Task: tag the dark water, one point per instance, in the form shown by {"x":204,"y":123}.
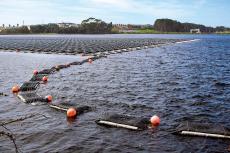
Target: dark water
{"x":181,"y":82}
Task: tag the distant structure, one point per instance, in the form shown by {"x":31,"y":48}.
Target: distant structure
{"x":141,"y":26}
{"x":2,"y":27}
{"x":67,"y":25}
{"x":131,"y":27}
{"x":121,"y":26}
{"x":195,"y":31}
{"x":6,"y":27}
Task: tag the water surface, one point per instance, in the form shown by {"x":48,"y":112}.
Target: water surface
{"x":181,"y":82}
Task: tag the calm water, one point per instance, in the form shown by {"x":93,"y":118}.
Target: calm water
{"x":181,"y":82}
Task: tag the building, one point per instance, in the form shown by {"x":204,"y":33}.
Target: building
{"x":147,"y":26}
{"x":28,"y":27}
{"x":3,"y":27}
{"x":121,"y":26}
{"x":67,"y":25}
{"x":132,"y":26}
{"x":195,"y":31}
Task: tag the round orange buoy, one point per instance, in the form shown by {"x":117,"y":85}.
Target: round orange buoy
{"x":35,"y":72}
{"x":90,"y":60}
{"x":45,"y":79}
{"x":49,"y":98}
{"x":71,"y":112}
{"x":15,"y":89}
{"x":155,"y":120}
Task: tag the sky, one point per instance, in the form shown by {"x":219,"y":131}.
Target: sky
{"x":207,"y":12}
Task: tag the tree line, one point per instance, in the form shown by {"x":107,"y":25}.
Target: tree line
{"x":88,"y":26}
{"x":168,"y":25}
{"x":16,"y":30}
{"x":97,"y":26}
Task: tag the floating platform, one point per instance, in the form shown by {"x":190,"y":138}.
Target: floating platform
{"x":29,"y":86}
{"x":208,"y":130}
{"x":124,"y":121}
{"x":86,"y":46}
{"x":38,"y":77}
{"x":47,"y":71}
{"x":30,"y":97}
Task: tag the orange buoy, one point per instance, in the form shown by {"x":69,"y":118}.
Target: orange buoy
{"x":90,"y":60}
{"x":15,"y":89}
{"x":45,"y":79}
{"x":49,"y":98}
{"x":35,"y":72}
{"x":155,"y":120}
{"x":71,"y":112}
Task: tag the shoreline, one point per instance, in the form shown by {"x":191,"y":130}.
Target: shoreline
{"x":122,"y":33}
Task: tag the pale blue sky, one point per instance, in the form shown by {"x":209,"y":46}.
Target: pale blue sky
{"x":207,"y":12}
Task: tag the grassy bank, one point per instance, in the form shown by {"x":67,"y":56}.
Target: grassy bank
{"x":225,"y":32}
{"x":151,"y":31}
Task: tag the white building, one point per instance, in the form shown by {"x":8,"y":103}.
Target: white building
{"x":67,"y":25}
{"x":195,"y":31}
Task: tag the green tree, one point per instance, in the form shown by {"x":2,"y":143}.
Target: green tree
{"x":168,"y":25}
{"x":95,"y":26}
